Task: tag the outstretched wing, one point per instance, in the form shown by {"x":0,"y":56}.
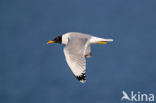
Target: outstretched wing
{"x":75,"y":56}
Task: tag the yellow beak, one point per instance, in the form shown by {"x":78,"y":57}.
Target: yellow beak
{"x":51,"y":41}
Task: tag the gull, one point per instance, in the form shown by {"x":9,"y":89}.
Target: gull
{"x":77,"y":49}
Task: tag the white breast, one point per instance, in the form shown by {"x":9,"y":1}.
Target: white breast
{"x":65,"y":38}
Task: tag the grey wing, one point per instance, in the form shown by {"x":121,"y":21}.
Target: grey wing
{"x":88,"y":52}
{"x":75,"y":56}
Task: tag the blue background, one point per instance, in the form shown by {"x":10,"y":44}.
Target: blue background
{"x":33,"y":72}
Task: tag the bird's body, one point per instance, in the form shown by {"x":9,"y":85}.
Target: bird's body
{"x":92,"y":39}
{"x":76,"y":49}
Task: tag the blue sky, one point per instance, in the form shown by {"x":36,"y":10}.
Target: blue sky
{"x":33,"y":72}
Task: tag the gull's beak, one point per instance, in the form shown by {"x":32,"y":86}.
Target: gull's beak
{"x":51,"y":41}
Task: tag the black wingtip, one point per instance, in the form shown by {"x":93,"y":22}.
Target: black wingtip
{"x":81,"y":78}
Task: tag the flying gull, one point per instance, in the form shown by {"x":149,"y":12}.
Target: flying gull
{"x":77,"y":49}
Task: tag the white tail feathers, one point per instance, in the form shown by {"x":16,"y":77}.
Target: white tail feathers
{"x":94,"y":40}
{"x":111,"y":40}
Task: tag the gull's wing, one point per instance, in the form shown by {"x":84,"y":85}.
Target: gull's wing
{"x":75,"y":56}
{"x":88,"y":52}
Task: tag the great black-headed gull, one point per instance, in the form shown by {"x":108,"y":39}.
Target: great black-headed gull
{"x":77,"y":49}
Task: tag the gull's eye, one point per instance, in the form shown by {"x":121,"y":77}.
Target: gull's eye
{"x":56,"y":38}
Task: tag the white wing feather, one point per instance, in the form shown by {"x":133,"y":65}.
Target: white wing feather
{"x":75,"y":56}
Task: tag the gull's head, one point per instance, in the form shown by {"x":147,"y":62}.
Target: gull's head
{"x":57,"y":39}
